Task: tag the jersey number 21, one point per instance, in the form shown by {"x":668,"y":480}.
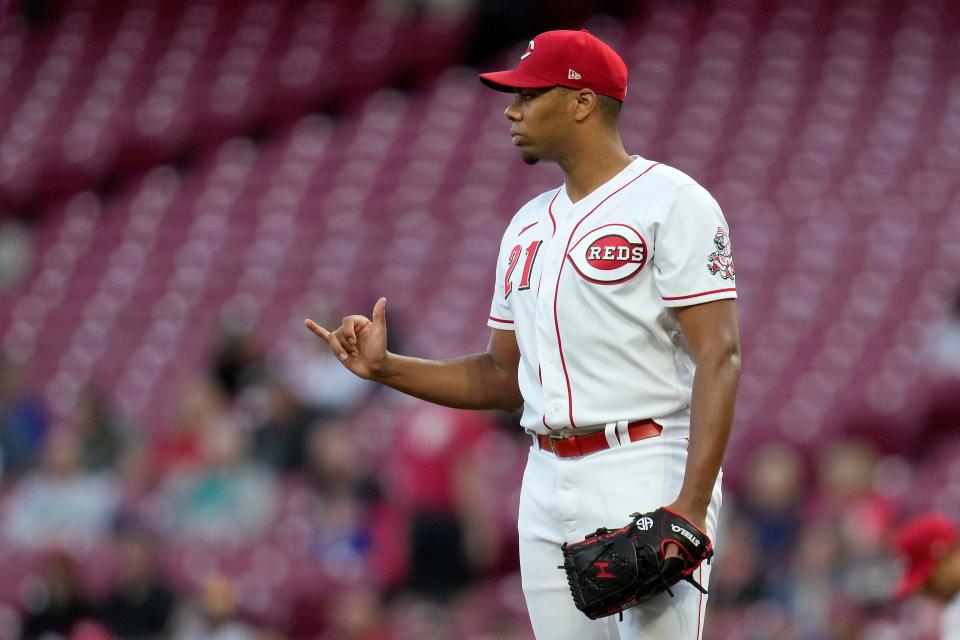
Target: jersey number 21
{"x":532,"y":249}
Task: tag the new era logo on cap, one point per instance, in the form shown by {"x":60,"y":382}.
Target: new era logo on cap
{"x":575,"y":59}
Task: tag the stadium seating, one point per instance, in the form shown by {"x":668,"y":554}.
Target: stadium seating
{"x":829,"y":137}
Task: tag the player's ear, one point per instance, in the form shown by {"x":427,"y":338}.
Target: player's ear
{"x":586,"y":103}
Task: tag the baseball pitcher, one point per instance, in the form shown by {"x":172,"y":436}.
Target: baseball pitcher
{"x":614,"y":328}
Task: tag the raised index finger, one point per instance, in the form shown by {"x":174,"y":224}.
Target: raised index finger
{"x":316,"y":329}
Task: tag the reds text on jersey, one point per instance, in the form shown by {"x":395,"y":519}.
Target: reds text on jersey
{"x":589,"y":288}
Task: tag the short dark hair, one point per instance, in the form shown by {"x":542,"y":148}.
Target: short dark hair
{"x":610,"y":108}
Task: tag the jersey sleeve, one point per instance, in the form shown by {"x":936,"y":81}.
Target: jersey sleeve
{"x":501,"y":315}
{"x":693,"y":256}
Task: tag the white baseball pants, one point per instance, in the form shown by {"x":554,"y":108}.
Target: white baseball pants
{"x":564,"y":499}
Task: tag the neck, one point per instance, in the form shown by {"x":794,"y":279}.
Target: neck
{"x":592,"y":165}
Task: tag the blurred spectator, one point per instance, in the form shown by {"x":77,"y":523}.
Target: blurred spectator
{"x":215,"y":617}
{"x":943,"y":348}
{"x":847,"y":497}
{"x":942,"y":358}
{"x":55,"y":604}
{"x":140,"y":605}
{"x":814,"y":568}
{"x":343,"y":541}
{"x":415,"y":618}
{"x":23,"y":421}
{"x":333,"y":465}
{"x":60,"y":503}
{"x":201,"y":404}
{"x":846,"y":527}
{"x":228,"y":497}
{"x":238,"y":362}
{"x":355,"y":538}
{"x":103,"y":440}
{"x":740,"y":571}
{"x":356,"y":614}
{"x":773,"y":495}
{"x":930,"y":546}
{"x":15,"y":251}
{"x":432,"y":478}
{"x":279,"y":440}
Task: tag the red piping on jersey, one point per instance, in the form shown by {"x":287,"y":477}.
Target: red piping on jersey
{"x":553,"y":221}
{"x":550,"y":211}
{"x":700,"y":605}
{"x":496,"y":319}
{"x":697,"y":295}
{"x":556,"y":293}
{"x":532,"y":224}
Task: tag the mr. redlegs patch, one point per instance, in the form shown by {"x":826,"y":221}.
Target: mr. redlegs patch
{"x":610,"y":254}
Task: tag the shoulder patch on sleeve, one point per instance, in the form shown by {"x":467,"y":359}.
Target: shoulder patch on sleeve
{"x":720,"y":262}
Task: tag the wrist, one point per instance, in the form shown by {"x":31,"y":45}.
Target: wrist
{"x":694,"y":510}
{"x":380,"y":371}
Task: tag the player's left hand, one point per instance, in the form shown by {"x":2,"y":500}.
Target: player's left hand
{"x":629,"y":578}
{"x":696,"y":517}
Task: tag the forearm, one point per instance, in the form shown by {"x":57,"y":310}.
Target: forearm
{"x":711,"y":418}
{"x":470,"y":382}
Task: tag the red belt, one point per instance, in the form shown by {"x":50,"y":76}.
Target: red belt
{"x":573,"y":446}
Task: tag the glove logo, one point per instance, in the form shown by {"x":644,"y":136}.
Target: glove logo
{"x":610,"y":254}
{"x":686,"y":534}
{"x":602,"y":570}
{"x":645,"y":523}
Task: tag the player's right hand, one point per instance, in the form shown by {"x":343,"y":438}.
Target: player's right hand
{"x":360,"y":343}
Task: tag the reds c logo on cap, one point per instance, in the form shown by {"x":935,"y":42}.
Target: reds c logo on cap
{"x":528,"y":51}
{"x":610,"y":254}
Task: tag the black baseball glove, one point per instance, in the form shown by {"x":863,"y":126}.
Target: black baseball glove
{"x":611,"y":571}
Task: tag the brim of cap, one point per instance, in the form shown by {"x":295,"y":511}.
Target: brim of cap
{"x":507,"y":81}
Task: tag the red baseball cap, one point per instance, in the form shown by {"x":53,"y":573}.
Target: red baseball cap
{"x":575,"y":59}
{"x":923,"y":542}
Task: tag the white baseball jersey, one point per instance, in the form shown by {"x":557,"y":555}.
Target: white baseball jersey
{"x":589,"y":288}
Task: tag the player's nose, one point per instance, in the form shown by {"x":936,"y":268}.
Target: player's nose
{"x":512,"y":112}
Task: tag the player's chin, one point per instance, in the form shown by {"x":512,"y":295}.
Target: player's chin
{"x":529,"y":158}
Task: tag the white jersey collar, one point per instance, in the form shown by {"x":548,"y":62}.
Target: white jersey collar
{"x":563,"y":200}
